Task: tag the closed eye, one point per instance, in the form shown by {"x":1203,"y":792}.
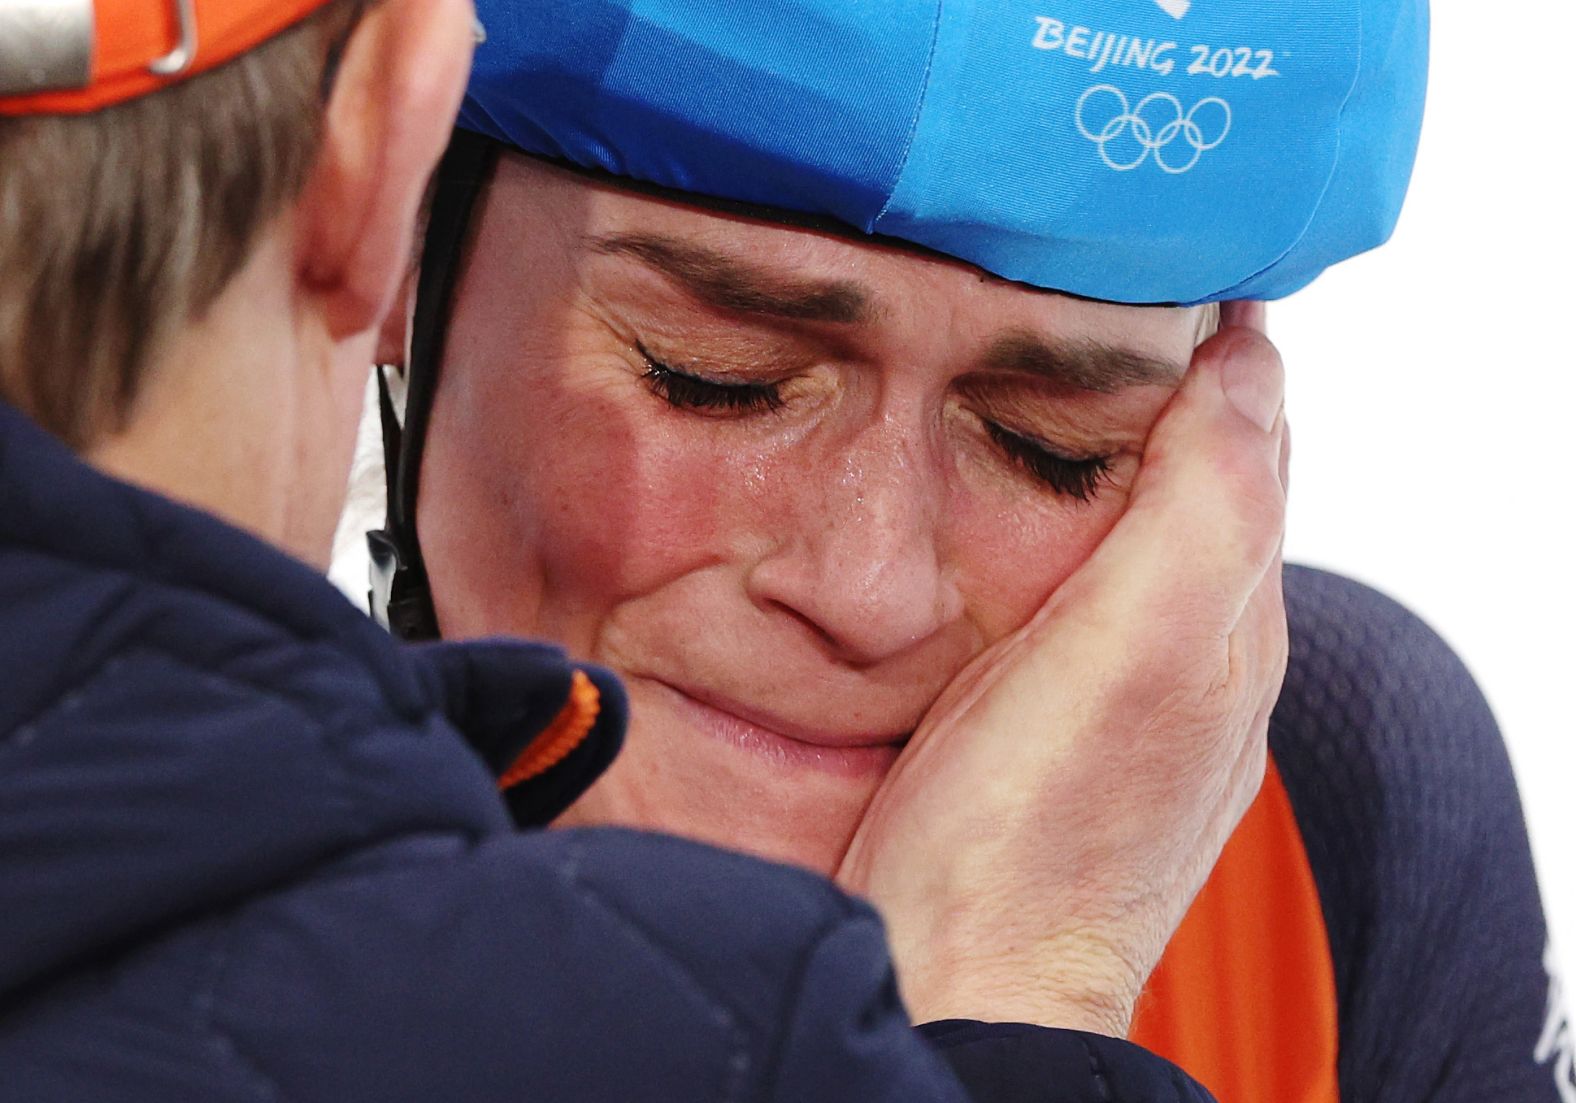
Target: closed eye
{"x":692,"y":392}
{"x":1076,"y":478}
{"x":1079,"y":479}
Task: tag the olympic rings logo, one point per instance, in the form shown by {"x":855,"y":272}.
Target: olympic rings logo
{"x":1158,"y":125}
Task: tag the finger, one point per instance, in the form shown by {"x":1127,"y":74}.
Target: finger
{"x":1246,"y":314}
{"x":1258,"y":646}
{"x":1260,"y":655}
{"x":1285,"y":458}
{"x":1246,"y":780}
{"x":1242,"y":779}
{"x":1269,"y":659}
{"x":1207,"y":510}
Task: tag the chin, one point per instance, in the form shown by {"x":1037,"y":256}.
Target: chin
{"x":681,"y":776}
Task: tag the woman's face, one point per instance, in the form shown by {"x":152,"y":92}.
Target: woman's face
{"x":785,"y":484}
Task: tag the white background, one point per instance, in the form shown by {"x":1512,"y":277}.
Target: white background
{"x":1432,"y":387}
{"x":1432,"y":390}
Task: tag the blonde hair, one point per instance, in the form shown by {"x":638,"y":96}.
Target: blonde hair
{"x":120,"y":227}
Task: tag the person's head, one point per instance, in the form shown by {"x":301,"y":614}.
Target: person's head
{"x":768,"y":472}
{"x":193,"y":264}
{"x":803,"y":384}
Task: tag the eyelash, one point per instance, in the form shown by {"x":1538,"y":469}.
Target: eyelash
{"x":689,"y":392}
{"x":1076,"y":479}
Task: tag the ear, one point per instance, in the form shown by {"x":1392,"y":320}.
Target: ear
{"x":386,"y":124}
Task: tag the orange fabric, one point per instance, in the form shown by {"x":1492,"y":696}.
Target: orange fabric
{"x":567,"y":731}
{"x":1244,"y":998}
{"x":129,"y":34}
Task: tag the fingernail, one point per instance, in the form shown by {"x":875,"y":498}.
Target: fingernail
{"x":1255,"y":384}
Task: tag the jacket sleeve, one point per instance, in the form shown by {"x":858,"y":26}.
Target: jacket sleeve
{"x":846,"y":1037}
{"x":1018,"y":1063}
{"x":1413,"y":826}
{"x":602,"y":965}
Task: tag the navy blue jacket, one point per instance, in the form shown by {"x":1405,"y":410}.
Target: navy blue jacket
{"x":1408,"y":810}
{"x":246,"y":853}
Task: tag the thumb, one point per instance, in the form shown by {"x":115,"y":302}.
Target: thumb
{"x":1207,"y":512}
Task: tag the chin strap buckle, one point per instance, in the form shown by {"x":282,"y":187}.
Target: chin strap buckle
{"x":397,"y":597}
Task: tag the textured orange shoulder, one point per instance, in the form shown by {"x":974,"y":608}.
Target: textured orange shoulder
{"x":1244,"y":999}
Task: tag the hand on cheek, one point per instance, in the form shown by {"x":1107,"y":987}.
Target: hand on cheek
{"x":1051,"y":820}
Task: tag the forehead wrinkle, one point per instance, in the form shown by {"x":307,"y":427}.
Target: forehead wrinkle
{"x":1087,"y":365}
{"x":728,"y":283}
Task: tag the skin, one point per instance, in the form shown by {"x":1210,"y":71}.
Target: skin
{"x":786,"y":592}
{"x":820,"y":566}
{"x":250,"y":412}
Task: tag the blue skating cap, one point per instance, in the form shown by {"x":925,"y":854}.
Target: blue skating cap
{"x":1139,"y":151}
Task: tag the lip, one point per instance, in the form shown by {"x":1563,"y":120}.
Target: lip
{"x":786,"y":744}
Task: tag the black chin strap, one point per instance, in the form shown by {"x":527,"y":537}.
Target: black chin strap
{"x":400,"y":597}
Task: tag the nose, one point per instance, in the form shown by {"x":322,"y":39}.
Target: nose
{"x":856,"y":556}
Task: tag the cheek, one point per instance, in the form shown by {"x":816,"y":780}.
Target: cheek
{"x":570,"y":482}
{"x":620,"y":504}
{"x":1011,"y":555}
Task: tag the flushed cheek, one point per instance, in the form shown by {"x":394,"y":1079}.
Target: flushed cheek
{"x":1011,"y":556}
{"x":620,"y":497}
{"x":548,"y":499}
{"x":616,"y":509}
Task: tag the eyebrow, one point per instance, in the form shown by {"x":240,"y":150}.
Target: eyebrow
{"x":727,"y":283}
{"x":1087,"y":365}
